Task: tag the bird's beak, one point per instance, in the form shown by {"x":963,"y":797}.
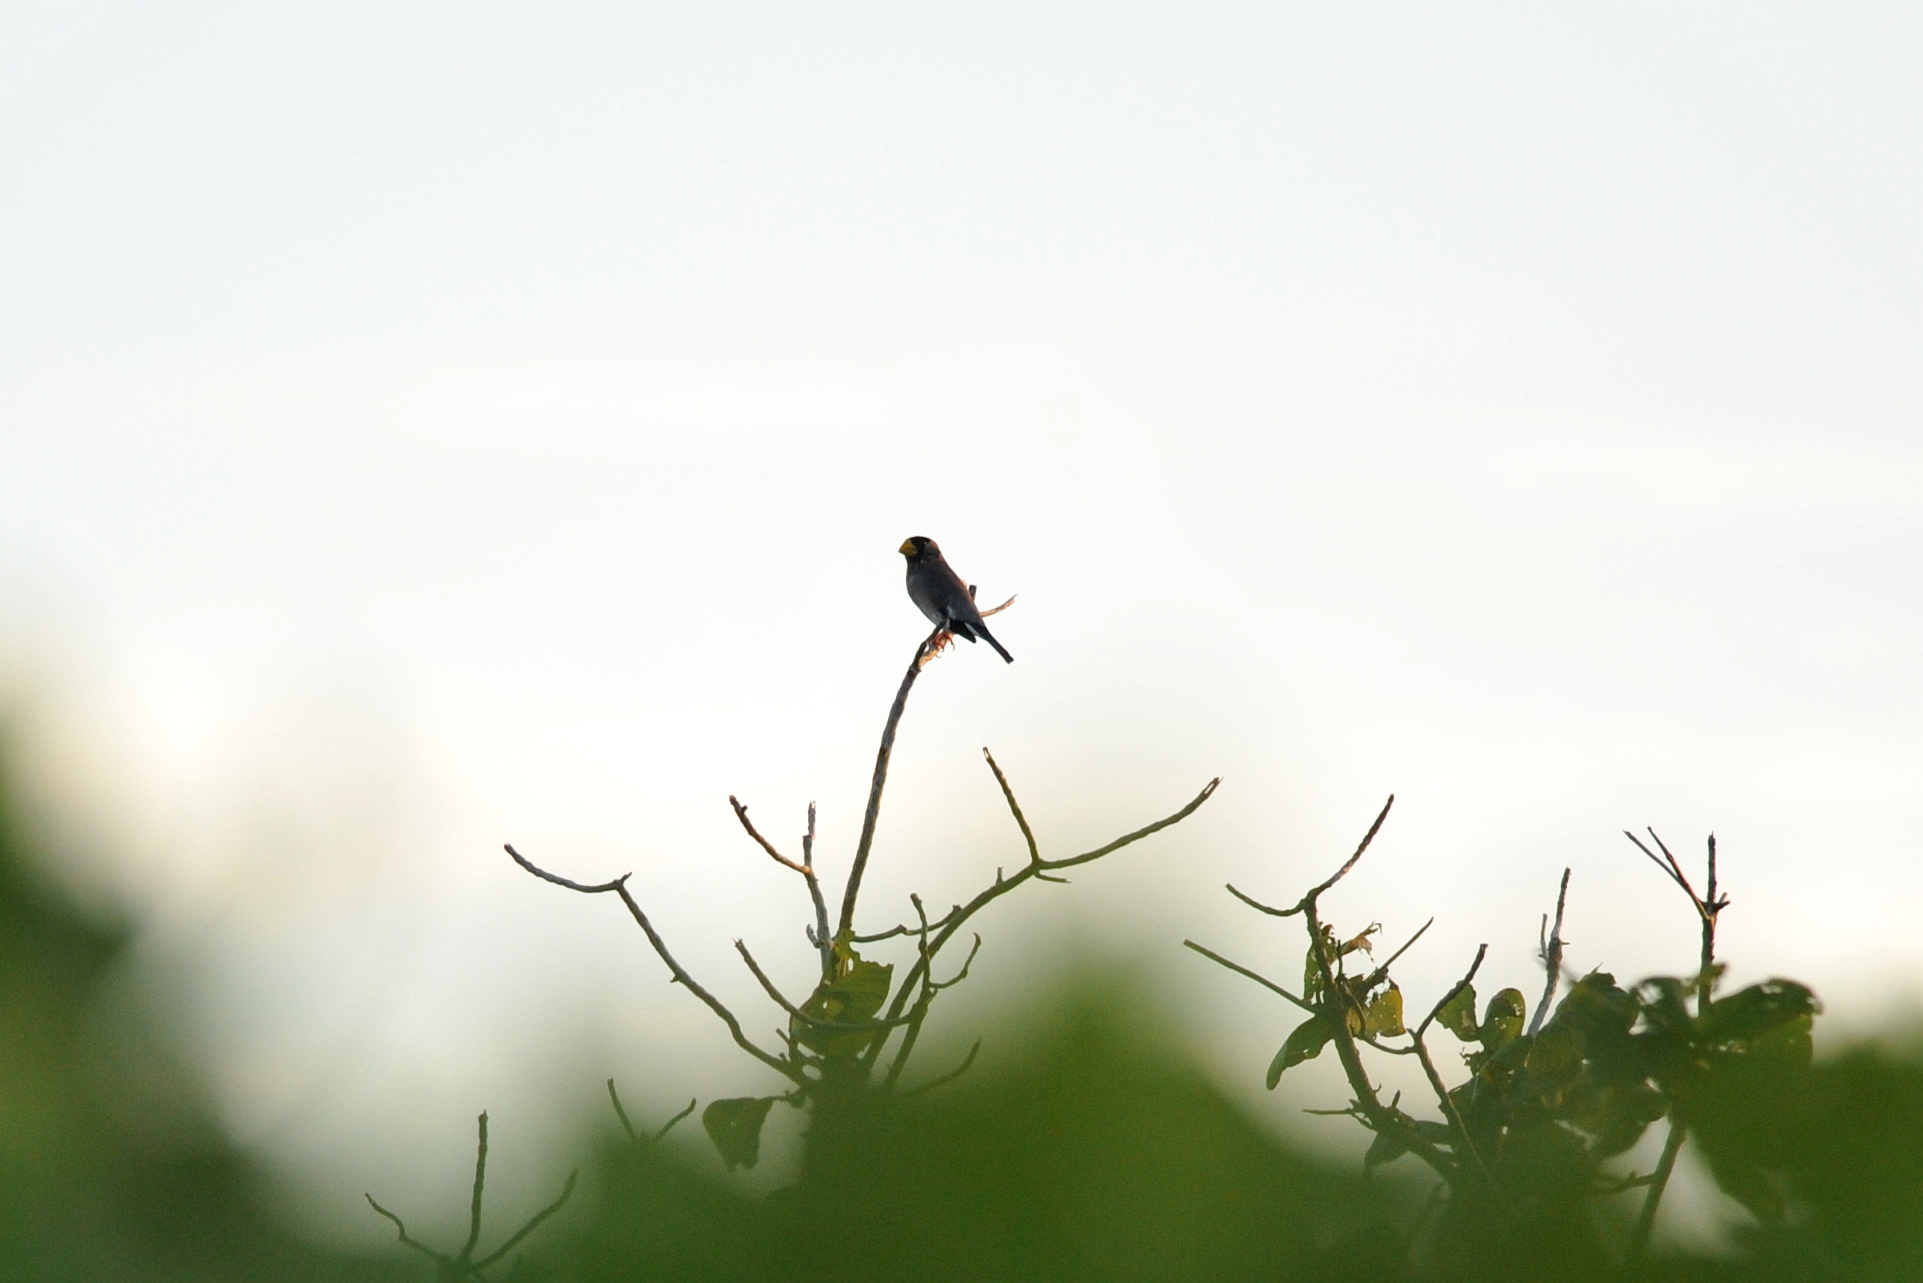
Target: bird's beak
{"x":907,"y":548}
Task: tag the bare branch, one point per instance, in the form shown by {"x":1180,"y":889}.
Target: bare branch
{"x":741,"y":813}
{"x":1260,"y":979}
{"x":961,"y":975}
{"x":1381,"y":973}
{"x":904,"y":929}
{"x":480,"y":1180}
{"x":837,"y":1026}
{"x":819,"y":936}
{"x":1334,"y":878}
{"x":996,"y":610}
{"x":1001,"y":887}
{"x":1658,"y":1182}
{"x":620,"y":887}
{"x":1482,"y":951}
{"x":1350,"y":863}
{"x":873,"y":813}
{"x":534,"y":1223}
{"x":1549,"y":949}
{"x":952,"y":1074}
{"x":621,"y":1113}
{"x":669,"y":1125}
{"x":1208,"y":790}
{"x":1028,"y":834}
{"x":414,"y":1243}
{"x":1257,"y":905}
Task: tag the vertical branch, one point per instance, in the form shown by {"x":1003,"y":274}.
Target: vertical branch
{"x":1658,"y":1181}
{"x":480,"y":1180}
{"x":822,"y":942}
{"x":1549,"y":949}
{"x":1704,"y":982}
{"x":868,"y":818}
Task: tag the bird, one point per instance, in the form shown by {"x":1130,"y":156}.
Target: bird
{"x":942,"y":596}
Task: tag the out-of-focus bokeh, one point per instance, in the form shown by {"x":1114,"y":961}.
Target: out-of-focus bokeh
{"x":428,"y":428}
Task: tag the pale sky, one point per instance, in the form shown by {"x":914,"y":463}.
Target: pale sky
{"x":432,"y":426}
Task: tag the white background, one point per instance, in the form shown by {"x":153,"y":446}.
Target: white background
{"x":431,"y":426}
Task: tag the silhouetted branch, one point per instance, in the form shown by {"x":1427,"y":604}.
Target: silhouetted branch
{"x":1381,"y":973}
{"x":872,"y":814}
{"x":534,"y":1222}
{"x":952,"y":1074}
{"x":668,"y":1126}
{"x":1259,"y":978}
{"x":1015,"y":808}
{"x":1549,"y":949}
{"x":620,"y":887}
{"x":819,"y":936}
{"x":628,"y":1127}
{"x":400,"y":1225}
{"x":480,"y":1182}
{"x":1002,"y":886}
{"x":1447,"y":1102}
{"x":837,"y":1026}
{"x":462,"y":1264}
{"x":1337,"y":876}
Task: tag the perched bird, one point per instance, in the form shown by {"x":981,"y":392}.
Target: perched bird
{"x":941,"y":594}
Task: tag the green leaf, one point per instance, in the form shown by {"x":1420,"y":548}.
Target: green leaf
{"x":1619,"y":1116}
{"x":1458,"y":1015}
{"x":1663,"y":1003}
{"x":855,"y":994}
{"x":1305,"y":1042}
{"x":1383,"y":1149}
{"x":1502,"y":1022}
{"x":1758,"y":1011}
{"x":1556,"y":1053}
{"x":1383,"y":1016}
{"x":735,"y":1128}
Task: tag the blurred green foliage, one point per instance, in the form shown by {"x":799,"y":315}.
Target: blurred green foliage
{"x":1101,"y":1154}
{"x":97,"y":1186}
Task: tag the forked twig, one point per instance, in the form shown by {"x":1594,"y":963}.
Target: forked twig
{"x":462,"y":1264}
{"x":1549,"y":948}
{"x":819,"y":936}
{"x":1333,"y":878}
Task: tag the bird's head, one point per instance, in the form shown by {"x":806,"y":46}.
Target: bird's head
{"x":915,"y":547}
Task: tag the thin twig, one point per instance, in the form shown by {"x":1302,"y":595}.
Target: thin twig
{"x":480,"y":1180}
{"x":905,"y":929}
{"x":400,"y":1225}
{"x":1549,"y":949}
{"x":622,"y":1114}
{"x":806,"y":868}
{"x":620,"y":887}
{"x":1002,"y":886}
{"x":669,"y":1125}
{"x":1443,"y":1097}
{"x":1333,"y":878}
{"x":1260,"y":979}
{"x":1380,"y":1118}
{"x":741,"y":813}
{"x":1454,"y":990}
{"x":1653,"y":1196}
{"x":534,"y":1223}
{"x":952,"y":1074}
{"x":1381,"y":973}
{"x":873,"y":812}
{"x":1015,"y":808}
{"x":836,"y":1026}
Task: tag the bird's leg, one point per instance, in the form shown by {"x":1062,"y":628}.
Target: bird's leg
{"x":942,"y":641}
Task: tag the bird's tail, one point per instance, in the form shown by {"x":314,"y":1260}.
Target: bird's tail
{"x":990,"y":639}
